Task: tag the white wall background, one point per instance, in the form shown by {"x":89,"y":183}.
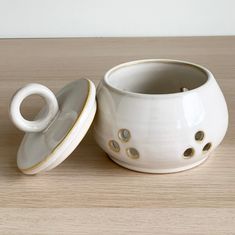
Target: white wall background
{"x":79,"y":18}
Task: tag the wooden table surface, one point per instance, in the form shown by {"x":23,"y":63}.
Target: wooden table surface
{"x":88,"y":193}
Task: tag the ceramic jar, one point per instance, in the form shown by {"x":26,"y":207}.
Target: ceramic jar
{"x":155,"y":116}
{"x":159,"y":116}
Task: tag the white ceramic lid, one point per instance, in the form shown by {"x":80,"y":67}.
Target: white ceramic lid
{"x":58,"y":128}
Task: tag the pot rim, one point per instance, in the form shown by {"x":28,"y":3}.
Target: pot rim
{"x":208,"y":74}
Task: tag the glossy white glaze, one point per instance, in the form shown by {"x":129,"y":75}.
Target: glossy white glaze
{"x":144,"y":97}
{"x":45,"y":120}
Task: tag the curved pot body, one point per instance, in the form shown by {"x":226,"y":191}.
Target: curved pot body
{"x":159,"y":133}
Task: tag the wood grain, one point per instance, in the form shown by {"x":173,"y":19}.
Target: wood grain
{"x":88,"y":193}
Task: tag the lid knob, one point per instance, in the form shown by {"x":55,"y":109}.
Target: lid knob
{"x":43,"y":122}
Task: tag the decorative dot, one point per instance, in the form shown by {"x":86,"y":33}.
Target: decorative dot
{"x":124,"y":135}
{"x":199,"y":136}
{"x":207,"y":147}
{"x":114,"y":146}
{"x":132,"y":153}
{"x":188,"y":153}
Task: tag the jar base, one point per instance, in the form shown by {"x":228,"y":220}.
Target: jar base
{"x":156,"y":171}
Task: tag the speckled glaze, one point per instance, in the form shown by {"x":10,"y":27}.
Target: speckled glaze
{"x":162,"y":129}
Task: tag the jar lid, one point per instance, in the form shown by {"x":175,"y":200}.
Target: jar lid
{"x":58,"y":128}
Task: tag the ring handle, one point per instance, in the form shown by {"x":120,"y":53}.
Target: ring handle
{"x":43,"y":122}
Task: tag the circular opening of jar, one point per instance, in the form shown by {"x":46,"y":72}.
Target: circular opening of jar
{"x":188,"y":153}
{"x":207,"y":147}
{"x":160,"y":77}
{"x":124,"y":135}
{"x":114,"y":145}
{"x":199,"y":136}
{"x":132,"y":153}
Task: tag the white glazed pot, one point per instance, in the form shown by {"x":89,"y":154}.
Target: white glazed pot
{"x":159,"y":116}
